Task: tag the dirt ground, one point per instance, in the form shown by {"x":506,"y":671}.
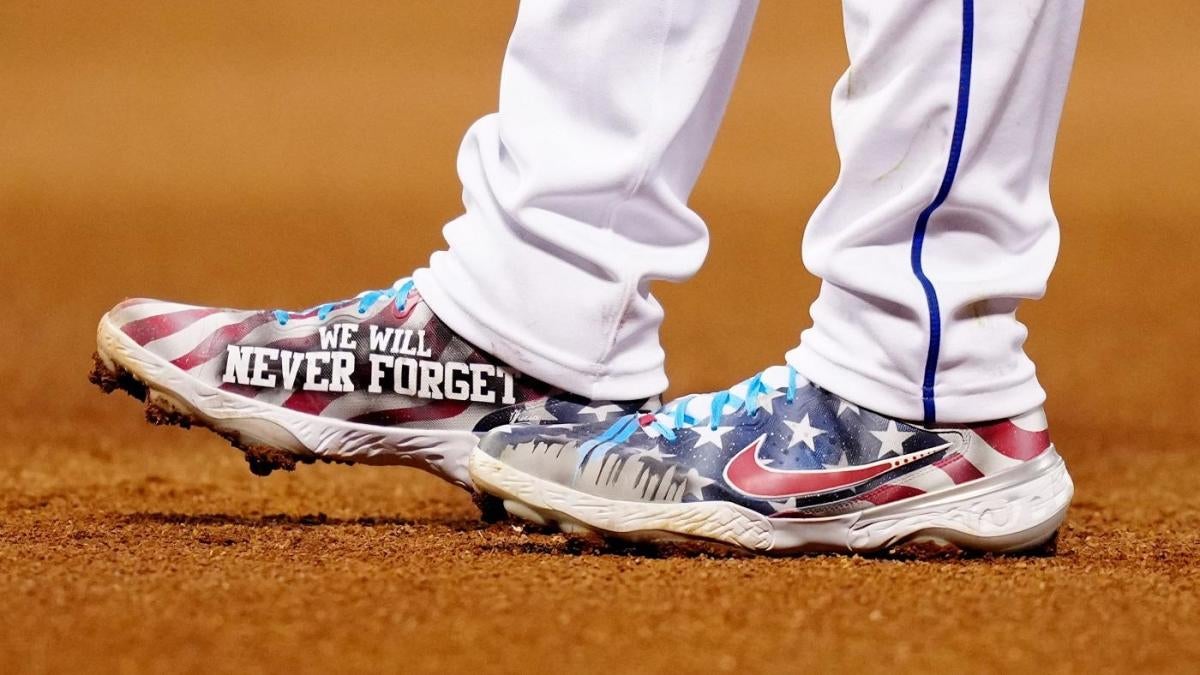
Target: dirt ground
{"x":281,"y":154}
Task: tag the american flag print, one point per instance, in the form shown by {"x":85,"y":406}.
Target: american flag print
{"x":805,"y":454}
{"x":381,"y":362}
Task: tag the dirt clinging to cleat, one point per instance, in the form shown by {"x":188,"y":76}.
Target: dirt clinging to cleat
{"x":262,"y":459}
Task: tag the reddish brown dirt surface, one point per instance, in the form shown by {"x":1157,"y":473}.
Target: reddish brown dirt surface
{"x":281,"y":154}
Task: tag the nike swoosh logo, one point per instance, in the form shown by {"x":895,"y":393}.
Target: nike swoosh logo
{"x":748,"y":475}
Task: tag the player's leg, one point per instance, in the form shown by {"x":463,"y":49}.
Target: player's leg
{"x":576,"y":197}
{"x":939,"y":223}
{"x":576,"y":190}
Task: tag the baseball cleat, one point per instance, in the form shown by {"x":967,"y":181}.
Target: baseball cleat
{"x":778,"y":465}
{"x":375,"y":379}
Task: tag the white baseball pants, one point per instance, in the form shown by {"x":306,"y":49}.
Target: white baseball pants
{"x":939,"y":224}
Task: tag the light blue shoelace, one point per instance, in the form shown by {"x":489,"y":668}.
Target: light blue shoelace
{"x":754,"y":388}
{"x":398,"y":293}
{"x":626,"y":426}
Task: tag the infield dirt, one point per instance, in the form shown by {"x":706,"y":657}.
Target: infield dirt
{"x":281,"y":154}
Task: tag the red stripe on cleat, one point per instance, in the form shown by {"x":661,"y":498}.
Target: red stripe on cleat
{"x":249,"y":391}
{"x":214,"y":345}
{"x":311,"y":402}
{"x":886,"y":494}
{"x":151,"y":328}
{"x":959,"y":468}
{"x":1012,"y":441}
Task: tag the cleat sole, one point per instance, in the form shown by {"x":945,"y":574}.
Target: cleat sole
{"x":1018,"y":511}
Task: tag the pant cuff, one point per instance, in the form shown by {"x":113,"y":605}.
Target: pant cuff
{"x":584,"y":379}
{"x":952,"y":408}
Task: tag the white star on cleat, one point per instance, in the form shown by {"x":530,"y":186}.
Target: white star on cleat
{"x":599,"y":412}
{"x":706,"y":434}
{"x":892,"y":439}
{"x":766,"y":400}
{"x":803,"y":432}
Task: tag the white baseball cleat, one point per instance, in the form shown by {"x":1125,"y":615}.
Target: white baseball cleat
{"x":778,"y":465}
{"x":374,"y":379}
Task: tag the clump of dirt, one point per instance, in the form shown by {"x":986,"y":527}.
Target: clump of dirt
{"x":160,"y":416}
{"x":110,"y":380}
{"x":262,"y":459}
